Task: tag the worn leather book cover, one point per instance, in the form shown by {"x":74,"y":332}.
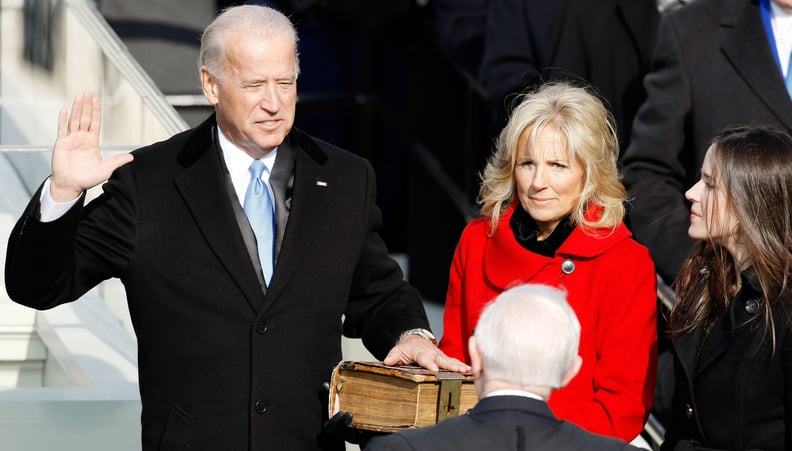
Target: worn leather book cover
{"x":389,"y":398}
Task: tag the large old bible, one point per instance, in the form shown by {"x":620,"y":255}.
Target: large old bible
{"x":389,"y":398}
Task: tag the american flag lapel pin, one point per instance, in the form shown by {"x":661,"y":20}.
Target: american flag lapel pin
{"x":320,"y":182}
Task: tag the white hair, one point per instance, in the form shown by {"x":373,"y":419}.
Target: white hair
{"x":252,"y":19}
{"x":529,"y":335}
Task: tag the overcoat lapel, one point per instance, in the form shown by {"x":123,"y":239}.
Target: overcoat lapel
{"x":516,"y":410}
{"x":717,"y":343}
{"x":744,"y":43}
{"x":686,"y":348}
{"x":202,"y":185}
{"x":308,"y":204}
{"x":282,"y":183}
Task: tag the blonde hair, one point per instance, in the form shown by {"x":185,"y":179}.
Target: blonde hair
{"x":585,"y":128}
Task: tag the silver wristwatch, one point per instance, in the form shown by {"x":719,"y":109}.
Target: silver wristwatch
{"x":421,"y":333}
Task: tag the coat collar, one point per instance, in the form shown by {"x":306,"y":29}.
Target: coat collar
{"x":695,"y":354}
{"x":506,"y":262}
{"x":517,"y":410}
{"x":308,"y":206}
{"x":202,"y":184}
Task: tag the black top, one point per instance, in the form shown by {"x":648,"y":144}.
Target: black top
{"x":526,"y":232}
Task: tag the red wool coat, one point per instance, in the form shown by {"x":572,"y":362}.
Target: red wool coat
{"x":612,"y":288}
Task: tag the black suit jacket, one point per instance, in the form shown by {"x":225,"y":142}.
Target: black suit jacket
{"x":499,"y":423}
{"x":222,"y":365}
{"x":712,"y":67}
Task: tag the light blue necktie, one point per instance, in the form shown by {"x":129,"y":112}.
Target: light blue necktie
{"x":258,"y":208}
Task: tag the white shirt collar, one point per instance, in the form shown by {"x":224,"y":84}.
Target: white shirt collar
{"x":512,"y":392}
{"x":238,"y":161}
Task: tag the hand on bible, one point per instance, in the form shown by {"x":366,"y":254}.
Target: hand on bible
{"x":418,"y":350}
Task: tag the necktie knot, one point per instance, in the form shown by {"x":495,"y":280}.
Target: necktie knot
{"x":256,"y":169}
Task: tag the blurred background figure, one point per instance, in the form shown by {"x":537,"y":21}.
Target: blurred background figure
{"x":717,"y":63}
{"x":606,"y":44}
{"x":460,"y":26}
{"x":39,"y":17}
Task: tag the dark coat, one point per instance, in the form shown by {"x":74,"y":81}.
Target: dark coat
{"x":520,"y":40}
{"x":712,"y":67}
{"x":224,"y":364}
{"x":500,"y":423}
{"x":609,"y":43}
{"x":732,"y":392}
{"x":606,"y":43}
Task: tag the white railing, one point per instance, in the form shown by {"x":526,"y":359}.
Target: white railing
{"x":86,"y":55}
{"x":68,"y":376}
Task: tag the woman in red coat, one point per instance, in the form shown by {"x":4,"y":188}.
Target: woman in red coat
{"x":553,"y":207}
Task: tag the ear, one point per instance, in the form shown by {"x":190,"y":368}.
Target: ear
{"x":475,"y":357}
{"x":573,"y":370}
{"x":210,"y":86}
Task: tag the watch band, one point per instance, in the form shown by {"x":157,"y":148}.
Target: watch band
{"x":421,"y":333}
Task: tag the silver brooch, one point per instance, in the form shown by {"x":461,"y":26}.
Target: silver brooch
{"x":568,"y":267}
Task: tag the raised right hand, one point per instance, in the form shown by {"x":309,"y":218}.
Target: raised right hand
{"x":77,"y":163}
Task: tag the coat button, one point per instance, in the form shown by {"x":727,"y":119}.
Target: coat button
{"x":688,"y":411}
{"x":751,"y":306}
{"x":261,"y":327}
{"x":568,"y":267}
{"x":260,"y":407}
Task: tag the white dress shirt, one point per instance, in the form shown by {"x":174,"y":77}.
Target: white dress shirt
{"x":238,"y":162}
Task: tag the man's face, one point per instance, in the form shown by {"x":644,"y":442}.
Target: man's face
{"x":255,"y":96}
